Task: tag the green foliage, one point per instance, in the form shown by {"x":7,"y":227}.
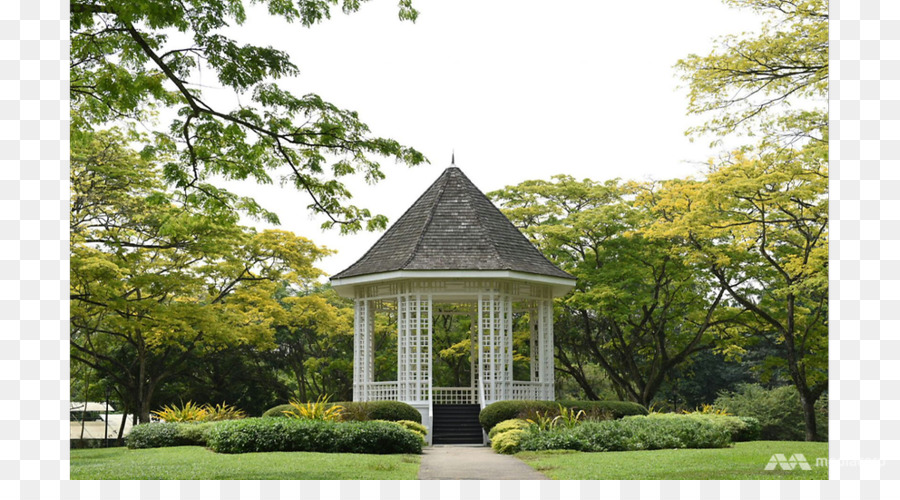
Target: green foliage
{"x":751,"y":431}
{"x":542,"y":420}
{"x":163,"y":434}
{"x":749,"y":77}
{"x":278,"y":411}
{"x":739,"y":428}
{"x":161,"y":276}
{"x":188,"y":412}
{"x":778,"y":411}
{"x":640,"y":308}
{"x":283,"y":434}
{"x":569,"y":417}
{"x":315,"y":343}
{"x":420,"y":430}
{"x":196,"y":433}
{"x":560,"y":416}
{"x":759,"y":224}
{"x":223,"y":412}
{"x":506,"y":425}
{"x":499,"y":411}
{"x":155,"y":435}
{"x":414,"y":426}
{"x":391,"y":410}
{"x":318,"y":410}
{"x":361,"y":411}
{"x":508,"y":441}
{"x":761,"y":216}
{"x":707,"y":409}
{"x":192,"y":412}
{"x":632,"y":433}
{"x":130,"y":60}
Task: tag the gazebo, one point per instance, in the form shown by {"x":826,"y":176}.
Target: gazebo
{"x":453,"y":252}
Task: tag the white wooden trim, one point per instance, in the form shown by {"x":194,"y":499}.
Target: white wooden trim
{"x":559,"y":286}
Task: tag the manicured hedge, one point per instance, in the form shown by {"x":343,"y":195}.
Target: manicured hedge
{"x":739,"y":428}
{"x":497,"y":412}
{"x":162,"y":434}
{"x":361,"y":411}
{"x":628,"y":434}
{"x":287,"y":434}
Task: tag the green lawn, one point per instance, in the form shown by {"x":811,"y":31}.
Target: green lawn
{"x":742,"y":461}
{"x":195,"y":462}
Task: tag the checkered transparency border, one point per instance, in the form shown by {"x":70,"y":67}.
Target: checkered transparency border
{"x":865,"y":288}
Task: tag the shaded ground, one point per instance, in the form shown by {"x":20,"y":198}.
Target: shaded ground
{"x":195,"y":462}
{"x":742,"y":461}
{"x":472,"y":462}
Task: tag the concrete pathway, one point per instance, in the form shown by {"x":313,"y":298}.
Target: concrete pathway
{"x":472,"y":462}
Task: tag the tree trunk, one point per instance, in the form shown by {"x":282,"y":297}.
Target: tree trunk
{"x":809,"y":414}
{"x":121,"y":439}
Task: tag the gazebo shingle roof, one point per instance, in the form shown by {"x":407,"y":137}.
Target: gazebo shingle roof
{"x":453,"y":226}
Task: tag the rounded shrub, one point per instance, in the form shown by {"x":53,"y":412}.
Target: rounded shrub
{"x":508,"y":425}
{"x":162,"y":434}
{"x":497,"y":412}
{"x":284,"y":434}
{"x":277,"y":411}
{"x":392,"y":410}
{"x":419,"y":429}
{"x":413,"y":426}
{"x":507,"y":442}
{"x":750,"y":432}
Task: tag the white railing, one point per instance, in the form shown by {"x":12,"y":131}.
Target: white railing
{"x":381,"y":391}
{"x":389,"y":391}
{"x":529,"y":390}
{"x":454,"y":395}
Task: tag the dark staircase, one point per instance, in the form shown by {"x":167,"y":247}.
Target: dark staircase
{"x":456,"y":424}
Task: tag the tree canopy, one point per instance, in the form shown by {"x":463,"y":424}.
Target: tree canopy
{"x":158,"y":275}
{"x":759,"y":225}
{"x":640,"y":307}
{"x":750,"y":78}
{"x":131,"y":60}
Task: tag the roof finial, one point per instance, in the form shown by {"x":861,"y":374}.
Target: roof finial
{"x":453,"y":158}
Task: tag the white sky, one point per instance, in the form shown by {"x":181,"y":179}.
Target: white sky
{"x":520,"y":89}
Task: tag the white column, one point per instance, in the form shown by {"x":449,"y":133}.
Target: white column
{"x":402,"y":348}
{"x":506,"y":328}
{"x":363,"y":355}
{"x":473,"y":358}
{"x":535,"y":343}
{"x":545,"y":335}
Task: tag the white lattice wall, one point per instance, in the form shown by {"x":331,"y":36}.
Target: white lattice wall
{"x":545,"y":341}
{"x":495,"y":349}
{"x":414,"y":346}
{"x":493,"y":346}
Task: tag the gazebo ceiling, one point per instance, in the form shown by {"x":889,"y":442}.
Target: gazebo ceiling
{"x":452,"y":228}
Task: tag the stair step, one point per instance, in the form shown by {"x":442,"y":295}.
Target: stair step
{"x":456,"y":424}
